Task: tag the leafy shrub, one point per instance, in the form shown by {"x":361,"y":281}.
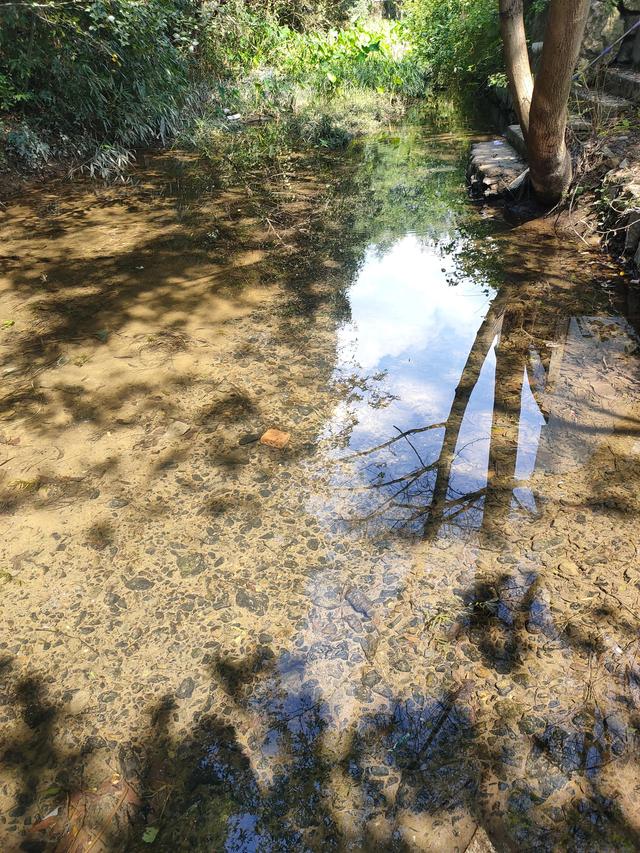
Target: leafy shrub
{"x":237,"y":38}
{"x":114,"y":69}
{"x":304,"y":117}
{"x":376,"y":55}
{"x":303,"y":15}
{"x":333,"y":121}
{"x":456,"y":41}
{"x":98,"y":78}
{"x":318,"y":87}
{"x":28,"y":146}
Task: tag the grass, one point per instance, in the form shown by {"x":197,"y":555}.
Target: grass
{"x":320,"y":89}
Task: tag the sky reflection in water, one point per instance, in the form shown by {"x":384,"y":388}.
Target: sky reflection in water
{"x":414,"y":320}
{"x":309,"y":689}
{"x":415,"y":323}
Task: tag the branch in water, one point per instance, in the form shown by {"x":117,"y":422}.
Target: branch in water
{"x":392,"y":441}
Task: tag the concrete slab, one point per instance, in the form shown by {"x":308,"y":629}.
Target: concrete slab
{"x":515,"y":138}
{"x":623,"y":83}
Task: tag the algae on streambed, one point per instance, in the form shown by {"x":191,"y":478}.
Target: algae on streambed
{"x":416,"y":626}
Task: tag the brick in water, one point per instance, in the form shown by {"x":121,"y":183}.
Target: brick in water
{"x":275,"y":438}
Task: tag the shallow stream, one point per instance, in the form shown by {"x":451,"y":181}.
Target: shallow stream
{"x":415,"y":627}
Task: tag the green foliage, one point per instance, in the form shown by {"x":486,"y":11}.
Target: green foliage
{"x":97,"y":79}
{"x":237,"y":38}
{"x":110,"y":69}
{"x":456,"y":41}
{"x":236,"y":151}
{"x":317,"y":87}
{"x":303,"y":117}
{"x":301,"y":15}
{"x":498,"y":79}
{"x":150,"y":834}
{"x":333,"y":120}
{"x":28,"y":146}
{"x":9,"y":95}
{"x":537,"y":7}
{"x":375,"y":55}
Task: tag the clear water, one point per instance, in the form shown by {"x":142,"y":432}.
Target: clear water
{"x":413,"y":628}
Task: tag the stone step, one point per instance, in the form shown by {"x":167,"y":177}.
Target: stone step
{"x":493,"y":168}
{"x":622,"y":83}
{"x":579,"y":125}
{"x":514,"y":137}
{"x":604,"y":105}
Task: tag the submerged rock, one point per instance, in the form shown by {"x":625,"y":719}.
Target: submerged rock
{"x":186,"y":688}
{"x":254,"y":601}
{"x":360,"y":603}
{"x":191,"y":564}
{"x":138,"y":583}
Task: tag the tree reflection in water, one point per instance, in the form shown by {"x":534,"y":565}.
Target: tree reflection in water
{"x":424,"y":631}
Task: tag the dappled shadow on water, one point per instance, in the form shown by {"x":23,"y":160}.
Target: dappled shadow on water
{"x":413,"y":627}
{"x":268,"y":771}
{"x":149,"y":287}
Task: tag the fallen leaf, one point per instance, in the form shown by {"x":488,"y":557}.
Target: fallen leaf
{"x":150,"y":834}
{"x":52,"y":791}
{"x":46,"y":822}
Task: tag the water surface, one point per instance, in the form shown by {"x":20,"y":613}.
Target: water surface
{"x":415,"y":627}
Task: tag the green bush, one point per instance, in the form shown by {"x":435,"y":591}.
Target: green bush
{"x":372,"y":55}
{"x":94,"y":80}
{"x":302,"y":117}
{"x":302,"y":15}
{"x":237,"y":38}
{"x":456,"y":41}
{"x":113,"y":69}
{"x":290,"y":89}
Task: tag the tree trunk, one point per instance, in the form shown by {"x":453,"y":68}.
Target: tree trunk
{"x":517,"y":59}
{"x":549,"y":160}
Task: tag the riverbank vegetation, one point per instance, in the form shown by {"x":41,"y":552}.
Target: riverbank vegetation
{"x":90,"y":82}
{"x":457,"y":42}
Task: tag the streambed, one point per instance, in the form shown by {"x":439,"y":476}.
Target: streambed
{"x":413,"y":628}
